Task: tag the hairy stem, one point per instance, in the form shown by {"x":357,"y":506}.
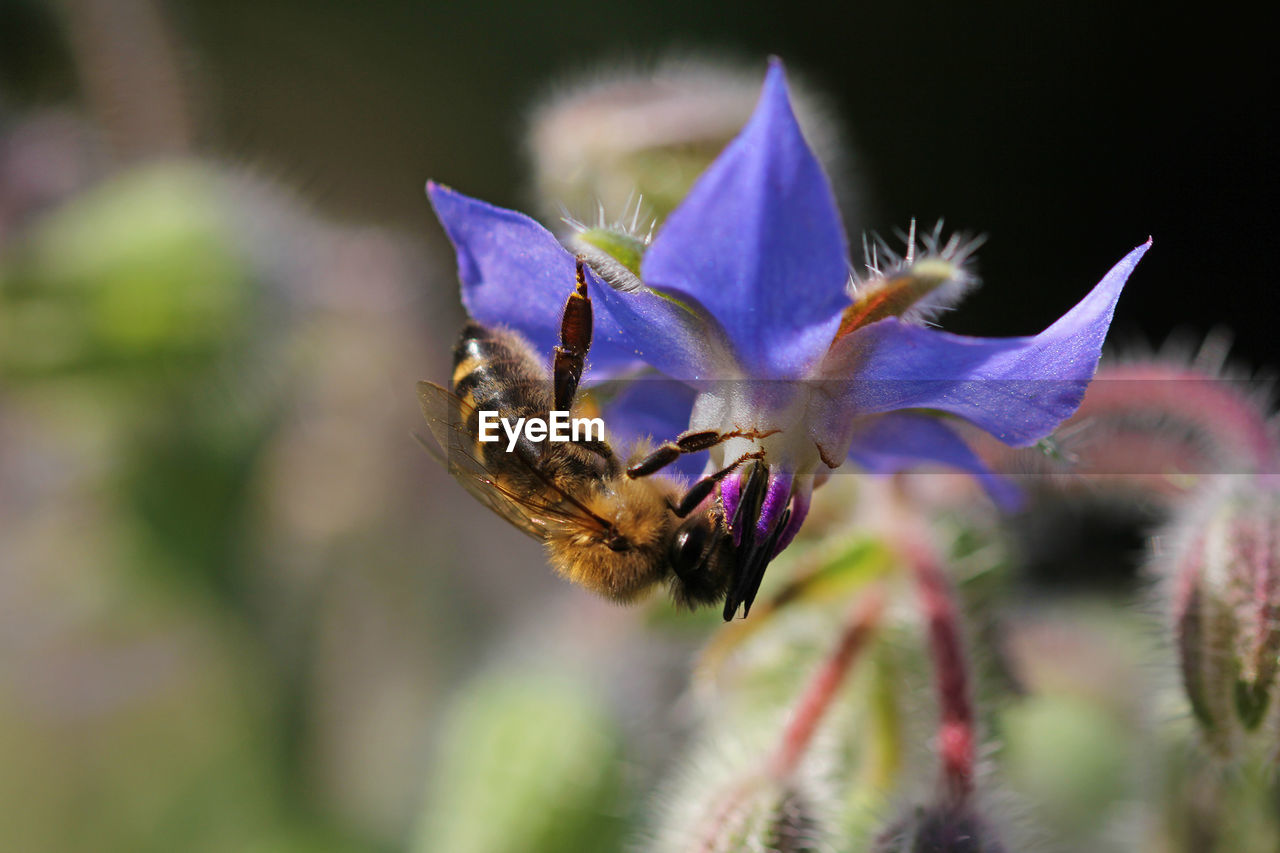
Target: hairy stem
{"x":956,"y":729}
{"x":861,"y":623}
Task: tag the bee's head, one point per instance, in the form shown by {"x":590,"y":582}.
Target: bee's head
{"x":700,"y":555}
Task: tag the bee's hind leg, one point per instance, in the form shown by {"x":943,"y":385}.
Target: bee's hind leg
{"x":575,"y":341}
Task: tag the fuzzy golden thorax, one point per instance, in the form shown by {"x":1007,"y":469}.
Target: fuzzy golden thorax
{"x":625,"y":565}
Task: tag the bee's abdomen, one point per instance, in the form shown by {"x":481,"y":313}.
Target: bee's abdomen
{"x":495,"y":370}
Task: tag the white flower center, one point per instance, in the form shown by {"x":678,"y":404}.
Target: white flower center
{"x":772,"y":417}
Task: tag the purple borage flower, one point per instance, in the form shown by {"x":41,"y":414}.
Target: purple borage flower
{"x":744,"y":297}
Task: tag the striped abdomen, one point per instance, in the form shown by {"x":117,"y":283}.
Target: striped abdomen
{"x":496,"y":370}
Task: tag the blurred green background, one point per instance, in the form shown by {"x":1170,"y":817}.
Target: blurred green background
{"x":236,"y":599}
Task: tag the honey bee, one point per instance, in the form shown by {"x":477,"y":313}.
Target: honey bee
{"x":617,"y":530}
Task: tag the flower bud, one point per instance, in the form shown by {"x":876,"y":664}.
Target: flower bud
{"x":1226,"y":608}
{"x":142,"y":270}
{"x":529,"y":762}
{"x":1155,"y":429}
{"x":939,"y":829}
{"x":727,"y":807}
{"x":643,"y":138}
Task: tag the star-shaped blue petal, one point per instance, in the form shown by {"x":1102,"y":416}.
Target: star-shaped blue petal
{"x":742,"y":296}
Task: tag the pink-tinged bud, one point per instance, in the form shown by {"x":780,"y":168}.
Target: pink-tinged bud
{"x":939,"y":829}
{"x":1226,"y":608}
{"x":1156,"y":429}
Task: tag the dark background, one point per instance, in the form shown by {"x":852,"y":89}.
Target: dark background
{"x":1067,"y":133}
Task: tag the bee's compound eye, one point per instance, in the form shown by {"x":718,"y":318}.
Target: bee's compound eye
{"x":688,"y":546}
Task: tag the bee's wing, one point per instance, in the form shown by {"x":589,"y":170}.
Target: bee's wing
{"x":531,"y":513}
{"x":446,"y":420}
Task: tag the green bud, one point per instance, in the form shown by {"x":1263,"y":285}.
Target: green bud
{"x":528,"y":762}
{"x":613,"y":253}
{"x":621,"y":247}
{"x":141,"y":269}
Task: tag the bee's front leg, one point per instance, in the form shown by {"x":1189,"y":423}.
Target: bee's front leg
{"x":698,"y":491}
{"x":689,"y":442}
{"x":575,"y":341}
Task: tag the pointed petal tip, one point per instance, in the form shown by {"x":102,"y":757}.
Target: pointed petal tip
{"x":759,"y":241}
{"x":1096,"y":307}
{"x":1118,"y":276}
{"x":1135,"y":254}
{"x":440,"y":195}
{"x":775,"y":93}
{"x":443,"y":195}
{"x":457,"y":209}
